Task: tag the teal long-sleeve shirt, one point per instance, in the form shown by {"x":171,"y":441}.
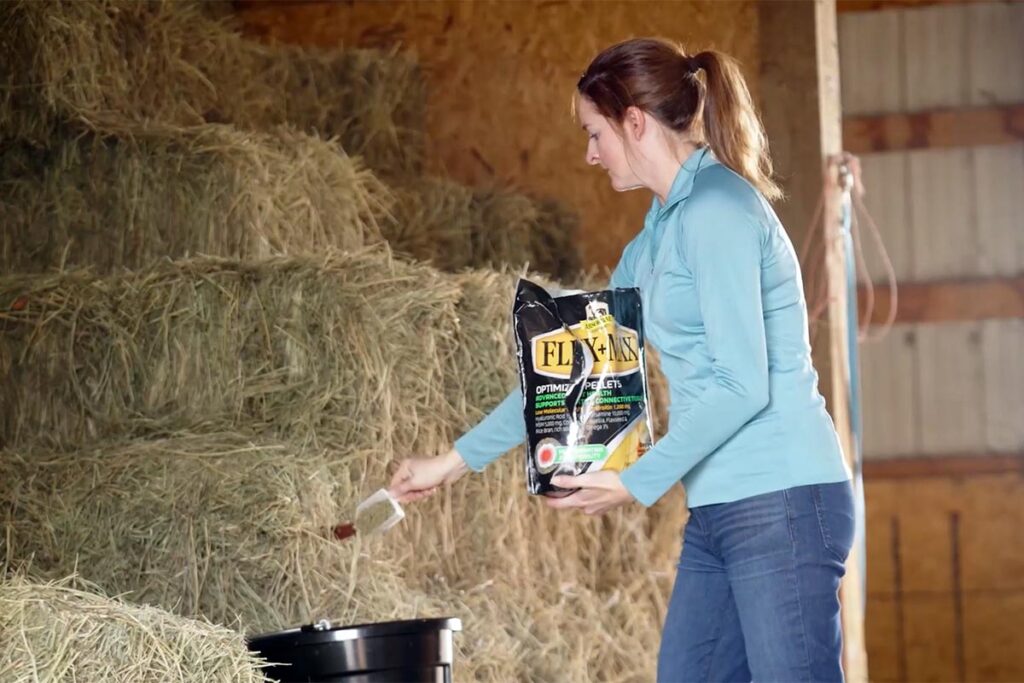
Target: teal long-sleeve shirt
{"x":724,"y":306}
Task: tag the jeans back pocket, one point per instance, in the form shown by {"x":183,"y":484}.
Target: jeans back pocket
{"x":833,"y":504}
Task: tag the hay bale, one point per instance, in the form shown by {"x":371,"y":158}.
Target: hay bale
{"x":382,"y":356}
{"x":236,"y":530}
{"x":454,"y":227}
{"x":372,"y":358}
{"x":163,"y":193}
{"x":231,"y":529}
{"x":56,"y":632}
{"x":356,"y":349}
{"x":111,"y":65}
{"x":343,"y":347}
{"x":221,"y":525}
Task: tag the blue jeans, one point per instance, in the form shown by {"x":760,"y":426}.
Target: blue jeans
{"x":756,"y":594}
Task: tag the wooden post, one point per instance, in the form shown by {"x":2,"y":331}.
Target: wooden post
{"x":799,"y":91}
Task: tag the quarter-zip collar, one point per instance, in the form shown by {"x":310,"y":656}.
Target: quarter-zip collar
{"x":682,"y":186}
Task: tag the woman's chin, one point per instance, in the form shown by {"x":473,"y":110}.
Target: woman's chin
{"x":620,"y":186}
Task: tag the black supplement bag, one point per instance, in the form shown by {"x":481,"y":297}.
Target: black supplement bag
{"x":584,"y":382}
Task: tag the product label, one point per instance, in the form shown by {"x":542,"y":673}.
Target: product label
{"x":584,"y":382}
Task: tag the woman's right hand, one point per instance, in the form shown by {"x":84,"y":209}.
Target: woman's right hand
{"x":418,"y":478}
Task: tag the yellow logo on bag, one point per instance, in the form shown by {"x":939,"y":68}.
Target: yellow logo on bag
{"x":615,"y":349}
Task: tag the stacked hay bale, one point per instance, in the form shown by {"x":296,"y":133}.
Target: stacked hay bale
{"x":85,"y":97}
{"x":223,"y":527}
{"x":237,"y":530}
{"x":54,"y":631}
{"x":164,"y":192}
{"x":121,"y":202}
{"x":298,"y":347}
{"x":111,"y":66}
{"x":453,"y":226}
{"x":361,"y":358}
{"x":187,"y":431}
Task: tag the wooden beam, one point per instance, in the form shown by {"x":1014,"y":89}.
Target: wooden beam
{"x":956,"y":465}
{"x":996,"y":125}
{"x":798,"y":86}
{"x":799,"y":89}
{"x":875,"y":5}
{"x":996,"y":298}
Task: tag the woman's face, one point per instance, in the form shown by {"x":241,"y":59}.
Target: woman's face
{"x":605,"y":147}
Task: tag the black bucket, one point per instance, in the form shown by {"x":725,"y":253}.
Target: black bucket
{"x":415,"y":651}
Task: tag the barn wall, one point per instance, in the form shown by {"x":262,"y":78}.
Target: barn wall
{"x":501,"y":76}
{"x":943,"y":402}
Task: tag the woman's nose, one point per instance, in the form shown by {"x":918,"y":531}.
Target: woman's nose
{"x":592,"y":158}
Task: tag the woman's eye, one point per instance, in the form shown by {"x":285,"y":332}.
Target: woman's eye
{"x":593,"y":136}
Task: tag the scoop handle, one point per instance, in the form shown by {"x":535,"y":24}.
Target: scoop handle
{"x":343,"y":531}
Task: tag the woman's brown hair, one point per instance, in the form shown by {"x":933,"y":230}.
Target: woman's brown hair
{"x":661,"y":79}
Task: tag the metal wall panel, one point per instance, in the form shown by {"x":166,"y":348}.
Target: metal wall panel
{"x":999,"y":198}
{"x":948,"y":388}
{"x":944,"y":214}
{"x":936,"y":57}
{"x":889,"y":403}
{"x":995,"y":39}
{"x":1002,"y":350}
{"x":951,"y":391}
{"x":940,"y":189}
{"x":871,"y":62}
{"x":885,"y":185}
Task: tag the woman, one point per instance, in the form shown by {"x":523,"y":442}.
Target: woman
{"x":771,"y":507}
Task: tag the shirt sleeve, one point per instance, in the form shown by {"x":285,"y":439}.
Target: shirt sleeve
{"x":504,"y":428}
{"x":721,"y":247}
{"x":500,"y":431}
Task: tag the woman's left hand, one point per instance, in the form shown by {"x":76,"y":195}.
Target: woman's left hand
{"x":598,"y":492}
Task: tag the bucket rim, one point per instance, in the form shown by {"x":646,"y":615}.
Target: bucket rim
{"x":309,"y":634}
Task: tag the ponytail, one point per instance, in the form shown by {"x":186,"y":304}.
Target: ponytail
{"x":659,"y":77}
{"x":731,"y":125}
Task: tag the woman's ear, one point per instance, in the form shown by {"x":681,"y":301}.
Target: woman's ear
{"x":635,"y":122}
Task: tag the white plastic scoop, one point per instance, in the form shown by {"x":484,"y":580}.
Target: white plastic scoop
{"x":375,"y":515}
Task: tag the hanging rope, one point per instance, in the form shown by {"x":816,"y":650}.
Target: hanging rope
{"x":843,"y":172}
